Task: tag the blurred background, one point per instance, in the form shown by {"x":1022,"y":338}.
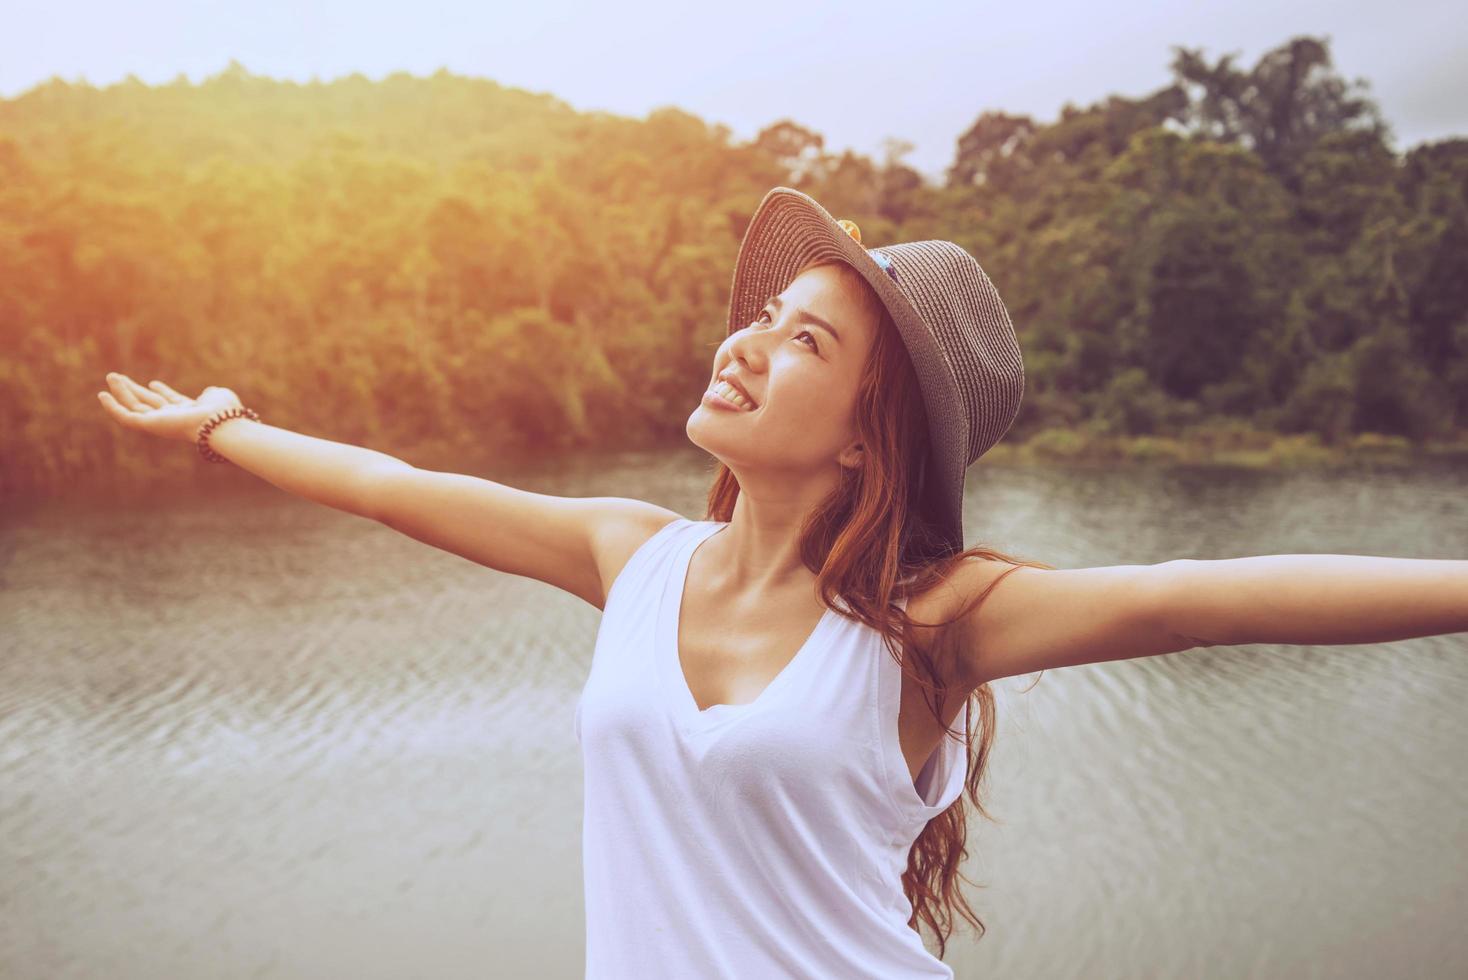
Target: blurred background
{"x":242,"y":735}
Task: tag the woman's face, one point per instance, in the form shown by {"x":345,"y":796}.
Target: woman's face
{"x":802,"y":376}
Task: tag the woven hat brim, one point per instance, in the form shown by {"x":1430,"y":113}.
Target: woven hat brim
{"x":790,"y":230}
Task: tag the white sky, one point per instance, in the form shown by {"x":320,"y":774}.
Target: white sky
{"x":854,"y":70}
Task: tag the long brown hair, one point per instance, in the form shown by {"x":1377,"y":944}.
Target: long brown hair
{"x":868,"y":543}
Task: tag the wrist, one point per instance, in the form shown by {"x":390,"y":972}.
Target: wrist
{"x":213,"y":423}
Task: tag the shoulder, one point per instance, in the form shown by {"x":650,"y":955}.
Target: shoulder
{"x":963,"y":583}
{"x":939,"y":623}
{"x":624,"y":525}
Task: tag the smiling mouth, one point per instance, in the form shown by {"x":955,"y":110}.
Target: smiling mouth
{"x":730,"y":394}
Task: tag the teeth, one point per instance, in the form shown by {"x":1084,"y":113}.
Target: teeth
{"x":728,"y":392}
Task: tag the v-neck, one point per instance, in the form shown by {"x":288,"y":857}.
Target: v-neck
{"x":670,"y":617}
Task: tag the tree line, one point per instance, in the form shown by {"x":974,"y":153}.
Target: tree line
{"x":445,"y":268}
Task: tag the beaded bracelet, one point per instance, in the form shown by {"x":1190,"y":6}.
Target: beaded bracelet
{"x":214,"y":420}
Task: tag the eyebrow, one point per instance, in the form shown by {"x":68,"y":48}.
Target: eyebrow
{"x":805,"y":316}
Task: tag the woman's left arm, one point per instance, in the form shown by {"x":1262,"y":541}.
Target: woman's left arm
{"x":1315,"y":599}
{"x":1043,"y":618}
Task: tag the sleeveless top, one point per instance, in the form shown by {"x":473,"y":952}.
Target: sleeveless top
{"x":765,"y":839}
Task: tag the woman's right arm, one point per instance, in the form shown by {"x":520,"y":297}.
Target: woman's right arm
{"x":332,"y":473}
{"x":578,"y":544}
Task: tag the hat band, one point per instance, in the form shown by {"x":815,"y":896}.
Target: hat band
{"x":884,"y":262}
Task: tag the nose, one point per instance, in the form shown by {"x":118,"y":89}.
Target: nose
{"x":750,"y":348}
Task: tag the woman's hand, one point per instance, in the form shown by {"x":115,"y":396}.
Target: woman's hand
{"x":159,"y":410}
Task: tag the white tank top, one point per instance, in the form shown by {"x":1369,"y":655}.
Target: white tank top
{"x":755,"y":840}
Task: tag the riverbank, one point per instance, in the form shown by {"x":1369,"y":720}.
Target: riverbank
{"x":164,"y":470}
{"x":1221,"y":447}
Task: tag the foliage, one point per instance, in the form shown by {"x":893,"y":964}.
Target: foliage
{"x":447,"y":264}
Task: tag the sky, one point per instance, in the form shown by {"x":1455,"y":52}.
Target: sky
{"x":855,"y":71}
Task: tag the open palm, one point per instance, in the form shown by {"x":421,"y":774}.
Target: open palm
{"x":159,"y":410}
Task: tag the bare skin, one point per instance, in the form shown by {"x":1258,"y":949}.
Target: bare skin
{"x":750,"y":602}
{"x":159,"y":410}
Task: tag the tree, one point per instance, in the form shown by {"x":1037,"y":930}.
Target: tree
{"x":1281,"y":107}
{"x":993,"y":150}
{"x":798,"y":150}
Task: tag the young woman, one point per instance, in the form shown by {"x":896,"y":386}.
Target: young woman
{"x":777,"y":725}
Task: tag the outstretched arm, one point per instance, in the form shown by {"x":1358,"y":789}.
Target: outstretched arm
{"x":1038,"y":619}
{"x":1317,"y":599}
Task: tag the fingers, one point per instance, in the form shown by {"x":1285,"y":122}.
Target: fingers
{"x":121,"y":414}
{"x":132,"y":395}
{"x":167,"y":392}
{"x":122,"y":395}
{"x":142,"y":396}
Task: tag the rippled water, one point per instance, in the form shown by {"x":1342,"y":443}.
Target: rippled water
{"x":249,"y":736}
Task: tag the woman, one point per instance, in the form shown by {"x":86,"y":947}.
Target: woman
{"x":770,"y":789}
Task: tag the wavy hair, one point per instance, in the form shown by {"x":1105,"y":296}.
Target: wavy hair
{"x":868,"y":543}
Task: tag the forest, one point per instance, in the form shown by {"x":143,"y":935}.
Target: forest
{"x":458,"y":272}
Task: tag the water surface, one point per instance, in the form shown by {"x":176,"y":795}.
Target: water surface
{"x":250,"y":736}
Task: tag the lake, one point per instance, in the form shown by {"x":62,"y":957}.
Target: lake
{"x":244,"y":735}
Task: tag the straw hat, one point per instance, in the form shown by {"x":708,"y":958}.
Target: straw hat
{"x":956,"y":330}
